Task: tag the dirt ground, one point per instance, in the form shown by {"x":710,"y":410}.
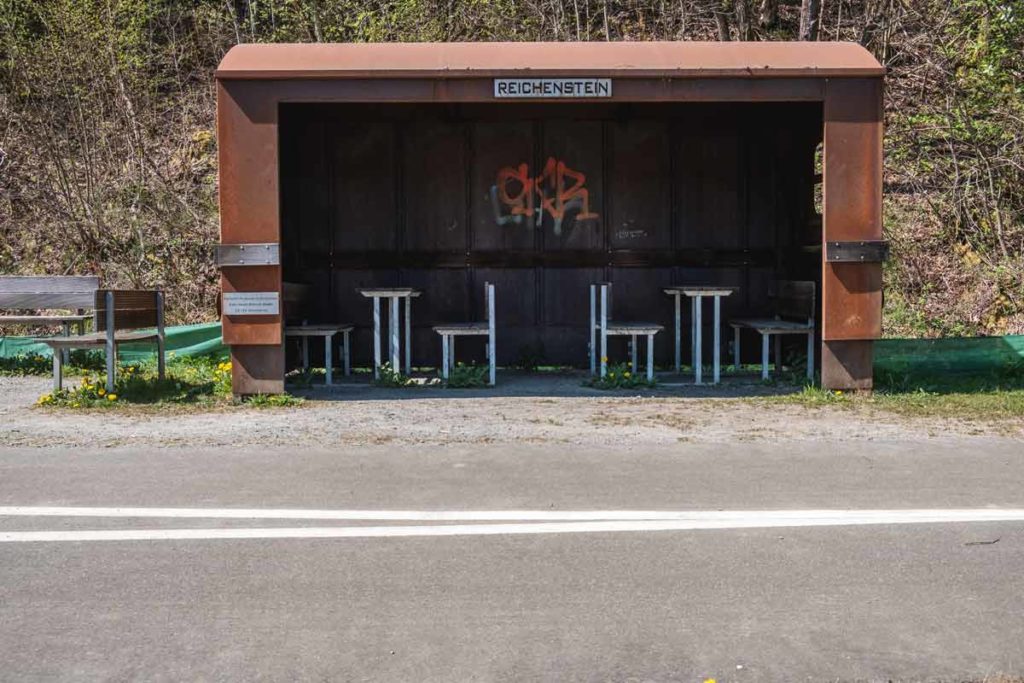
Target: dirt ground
{"x":520,"y":410}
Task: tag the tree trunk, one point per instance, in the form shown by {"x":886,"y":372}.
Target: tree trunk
{"x":743,"y":28}
{"x":722,"y":19}
{"x":810,"y":19}
{"x":769,"y":15}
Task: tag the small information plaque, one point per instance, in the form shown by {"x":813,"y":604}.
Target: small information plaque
{"x":251,"y":303}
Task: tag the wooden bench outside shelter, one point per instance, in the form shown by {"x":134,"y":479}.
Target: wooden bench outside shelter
{"x":603,"y":326}
{"x":794,"y":303}
{"x":49,"y":293}
{"x":121,"y":315}
{"x":450,"y":331}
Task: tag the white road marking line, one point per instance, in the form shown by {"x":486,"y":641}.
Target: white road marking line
{"x":952,"y":515}
{"x":733,"y":520}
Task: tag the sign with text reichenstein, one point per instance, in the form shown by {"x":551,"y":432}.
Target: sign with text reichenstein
{"x":533,"y":88}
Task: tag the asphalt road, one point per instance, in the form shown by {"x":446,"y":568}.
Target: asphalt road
{"x":937,"y":601}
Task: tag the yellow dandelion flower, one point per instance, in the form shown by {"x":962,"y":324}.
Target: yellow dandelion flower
{"x":111,"y":397}
{"x":101,"y":392}
{"x":626,"y":374}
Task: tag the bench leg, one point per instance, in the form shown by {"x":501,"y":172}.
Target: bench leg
{"x":376,"y":337}
{"x":493,"y":360}
{"x":408,"y":336}
{"x":604,"y":330}
{"x":305,"y":354}
{"x":679,"y":321}
{"x":716,"y":360}
{"x":328,"y":359}
{"x":395,"y":346}
{"x":58,"y":370}
{"x":650,"y":358}
{"x":633,"y":352}
{"x":698,"y":346}
{"x":736,"y":349}
{"x":66,"y":353}
{"x":111,"y":367}
{"x":810,"y":356}
{"x":444,"y":356}
{"x":778,"y":354}
{"x":161,"y":362}
{"x":764,"y":355}
{"x":593,"y":331}
{"x":451,"y":351}
{"x":346,"y":358}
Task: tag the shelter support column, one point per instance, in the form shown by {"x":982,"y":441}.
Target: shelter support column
{"x":249,"y":212}
{"x":851,"y":292}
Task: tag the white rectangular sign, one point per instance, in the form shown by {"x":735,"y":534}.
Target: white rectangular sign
{"x":552,"y":87}
{"x":251,"y":303}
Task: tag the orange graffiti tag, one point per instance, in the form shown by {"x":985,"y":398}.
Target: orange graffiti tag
{"x":559,"y":188}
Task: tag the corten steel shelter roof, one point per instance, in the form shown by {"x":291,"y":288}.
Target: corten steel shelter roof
{"x":610,"y":59}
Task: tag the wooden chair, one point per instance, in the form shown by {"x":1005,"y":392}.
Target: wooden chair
{"x":295,"y":298}
{"x":794,"y":309}
{"x":603,"y":326}
{"x":122,"y":315}
{"x":51,"y":293}
{"x":451,"y":331}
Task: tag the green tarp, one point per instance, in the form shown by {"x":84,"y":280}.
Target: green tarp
{"x":969,"y":354}
{"x":183,"y":340}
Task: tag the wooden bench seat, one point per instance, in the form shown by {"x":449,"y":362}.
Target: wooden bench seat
{"x":121,"y":316}
{"x":45,"y":319}
{"x":463,"y":329}
{"x":296,"y":305}
{"x":794,"y":303}
{"x":449,"y":331}
{"x":602,"y":326}
{"x":98,"y":339}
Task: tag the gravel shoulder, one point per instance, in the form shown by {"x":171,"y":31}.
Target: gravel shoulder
{"x":547,"y":410}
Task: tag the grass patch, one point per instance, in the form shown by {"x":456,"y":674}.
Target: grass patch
{"x":34,"y":364}
{"x":468,"y":376}
{"x":391,"y":377}
{"x":993,"y":395}
{"x":203,"y":381}
{"x":620,"y":376}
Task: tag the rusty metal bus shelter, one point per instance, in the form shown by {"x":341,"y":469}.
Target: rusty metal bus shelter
{"x":544,"y":167}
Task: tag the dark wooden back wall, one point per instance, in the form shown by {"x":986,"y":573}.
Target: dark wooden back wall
{"x":542,"y":200}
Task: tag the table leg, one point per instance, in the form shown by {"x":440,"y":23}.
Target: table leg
{"x":633,"y":349}
{"x":698,"y":351}
{"x":778,"y":354}
{"x":693,"y":332}
{"x":395,"y":346}
{"x":305,"y":353}
{"x":593,"y":331}
{"x":650,"y":357}
{"x":764,"y":356}
{"x":444,"y":356}
{"x":408,"y":335}
{"x":718,"y":340}
{"x":328,"y":359}
{"x":736,"y":349}
{"x":451,"y":350}
{"x":376,"y":337}
{"x":679,"y":320}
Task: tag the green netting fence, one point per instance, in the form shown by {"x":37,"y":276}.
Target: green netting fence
{"x":961,"y":354}
{"x":183,"y":340}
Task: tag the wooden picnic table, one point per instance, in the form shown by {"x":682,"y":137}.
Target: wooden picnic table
{"x":393,"y":295}
{"x":696,"y":293}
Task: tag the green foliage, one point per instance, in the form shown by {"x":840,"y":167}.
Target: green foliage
{"x":37,"y":364}
{"x":390,"y":377}
{"x":468,"y":376}
{"x":619,"y":376}
{"x":200,"y":381}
